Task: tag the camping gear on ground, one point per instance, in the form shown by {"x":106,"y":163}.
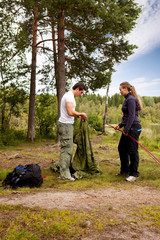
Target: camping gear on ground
{"x":28,"y":176}
{"x":83,"y":163}
{"x":151,"y":154}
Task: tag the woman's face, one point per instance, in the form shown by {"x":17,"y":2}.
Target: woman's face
{"x":123,"y":91}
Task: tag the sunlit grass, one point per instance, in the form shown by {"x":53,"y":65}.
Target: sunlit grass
{"x":148,"y":214}
{"x":21,"y":223}
{"x":18,"y":222}
{"x":35,"y":223}
{"x":106,"y":154}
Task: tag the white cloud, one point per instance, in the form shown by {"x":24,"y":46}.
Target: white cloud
{"x":146,"y":88}
{"x":146,"y":34}
{"x":142,"y":86}
{"x":141,"y":82}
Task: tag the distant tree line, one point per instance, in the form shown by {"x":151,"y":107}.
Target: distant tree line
{"x":95,"y":105}
{"x":14,"y":115}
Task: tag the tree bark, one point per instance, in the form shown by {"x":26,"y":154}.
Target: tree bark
{"x":55,"y":55}
{"x":31,"y":117}
{"x":61,"y":83}
{"x":3,"y":112}
{"x":56,"y":72}
{"x":3,"y":104}
{"x":106,"y":108}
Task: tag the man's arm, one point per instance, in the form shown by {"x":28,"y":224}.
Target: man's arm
{"x":71,"y":112}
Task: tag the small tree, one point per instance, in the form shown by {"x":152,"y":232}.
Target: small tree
{"x":14,"y":98}
{"x":46,"y":116}
{"x":106,"y":109}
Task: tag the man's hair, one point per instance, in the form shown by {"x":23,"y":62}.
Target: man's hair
{"x":79,"y":85}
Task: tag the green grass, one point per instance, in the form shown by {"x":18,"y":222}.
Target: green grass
{"x":22,"y":223}
{"x":149,"y":215}
{"x":106,"y":154}
{"x":34,"y":223}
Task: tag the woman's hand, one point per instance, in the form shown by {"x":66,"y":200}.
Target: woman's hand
{"x":117,"y":127}
{"x":126,"y":134}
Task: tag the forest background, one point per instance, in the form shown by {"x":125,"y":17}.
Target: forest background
{"x":46,"y":114}
{"x":78,"y":40}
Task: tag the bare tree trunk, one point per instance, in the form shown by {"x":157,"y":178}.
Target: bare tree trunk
{"x":3,"y":112}
{"x":31,"y":117}
{"x":56,"y":72}
{"x":61,"y":84}
{"x":3,"y":125}
{"x":3,"y":104}
{"x":106,"y":108}
{"x":55,"y":54}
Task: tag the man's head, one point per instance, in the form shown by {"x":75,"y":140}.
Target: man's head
{"x":78,"y":89}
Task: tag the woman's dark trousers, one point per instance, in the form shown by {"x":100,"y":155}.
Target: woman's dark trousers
{"x":128,"y":152}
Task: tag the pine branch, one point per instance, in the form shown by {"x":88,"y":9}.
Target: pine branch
{"x":45,"y":48}
{"x":82,"y":34}
{"x":46,"y":41}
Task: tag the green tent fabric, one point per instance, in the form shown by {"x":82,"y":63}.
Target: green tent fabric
{"x":83,"y":163}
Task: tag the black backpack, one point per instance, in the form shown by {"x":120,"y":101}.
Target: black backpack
{"x":28,"y":175}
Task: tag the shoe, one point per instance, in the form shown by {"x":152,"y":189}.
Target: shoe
{"x":69,"y":178}
{"x":121,"y":174}
{"x":131,"y":179}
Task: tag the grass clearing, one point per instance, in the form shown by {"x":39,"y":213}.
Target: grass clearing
{"x":54,"y":224}
{"x":24,"y":223}
{"x":34,"y":223}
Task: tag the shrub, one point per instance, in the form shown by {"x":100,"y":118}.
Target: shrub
{"x":95,"y":121}
{"x":11,"y":137}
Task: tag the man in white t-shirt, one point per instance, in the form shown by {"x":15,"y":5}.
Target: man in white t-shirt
{"x":65,"y":127}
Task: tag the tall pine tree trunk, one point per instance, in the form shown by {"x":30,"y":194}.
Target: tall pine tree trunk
{"x":56,"y":70}
{"x":61,"y":84}
{"x":3,"y":125}
{"x":31,"y":117}
{"x":55,"y":54}
{"x":106,"y":108}
{"x":3,"y":102}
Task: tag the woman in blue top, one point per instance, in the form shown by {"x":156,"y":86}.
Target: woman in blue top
{"x":128,"y":148}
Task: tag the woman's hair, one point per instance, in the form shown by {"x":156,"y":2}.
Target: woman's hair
{"x":132,"y":90}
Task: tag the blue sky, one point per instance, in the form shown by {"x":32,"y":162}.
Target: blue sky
{"x":142,"y":69}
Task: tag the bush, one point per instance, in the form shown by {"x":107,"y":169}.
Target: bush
{"x":96,"y":122}
{"x":11,"y":137}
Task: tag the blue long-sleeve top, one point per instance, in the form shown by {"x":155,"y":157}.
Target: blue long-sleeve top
{"x":130,"y":113}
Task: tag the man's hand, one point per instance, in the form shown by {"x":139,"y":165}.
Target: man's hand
{"x":83,"y":115}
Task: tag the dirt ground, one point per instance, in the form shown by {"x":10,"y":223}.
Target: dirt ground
{"x":119,"y":199}
{"x":90,"y":199}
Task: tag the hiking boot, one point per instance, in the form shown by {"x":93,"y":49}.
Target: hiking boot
{"x":69,"y":178}
{"x":131,"y":178}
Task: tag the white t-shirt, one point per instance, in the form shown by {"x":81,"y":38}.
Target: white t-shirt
{"x":64,"y":117}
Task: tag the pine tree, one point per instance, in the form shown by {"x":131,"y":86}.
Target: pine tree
{"x":88,"y":39}
{"x":13,"y":66}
